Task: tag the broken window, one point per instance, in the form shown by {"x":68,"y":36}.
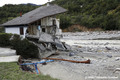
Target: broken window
{"x":21,"y":31}
{"x":43,"y":29}
{"x":54,"y":22}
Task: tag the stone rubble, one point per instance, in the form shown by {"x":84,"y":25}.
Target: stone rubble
{"x":105,"y":60}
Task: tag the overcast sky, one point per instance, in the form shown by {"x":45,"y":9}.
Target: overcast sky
{"x":3,"y":2}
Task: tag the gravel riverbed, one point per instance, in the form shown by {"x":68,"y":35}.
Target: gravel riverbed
{"x":96,"y":46}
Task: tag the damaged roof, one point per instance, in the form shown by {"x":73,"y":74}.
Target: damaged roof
{"x":35,"y":15}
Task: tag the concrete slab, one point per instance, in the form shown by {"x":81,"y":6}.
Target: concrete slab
{"x":9,"y":58}
{"x":44,"y":37}
{"x":7,"y":52}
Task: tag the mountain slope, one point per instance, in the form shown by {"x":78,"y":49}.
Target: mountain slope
{"x":104,"y":14}
{"x":9,"y":11}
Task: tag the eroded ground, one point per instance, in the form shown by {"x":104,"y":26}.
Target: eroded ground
{"x":104,"y":56}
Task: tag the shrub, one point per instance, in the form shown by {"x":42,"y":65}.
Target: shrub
{"x":5,"y":39}
{"x":15,"y":39}
{"x":26,"y":49}
{"x":22,"y":46}
{"x":65,"y":22}
{"x":1,"y":29}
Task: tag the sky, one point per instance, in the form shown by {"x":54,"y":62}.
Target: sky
{"x":39,"y":2}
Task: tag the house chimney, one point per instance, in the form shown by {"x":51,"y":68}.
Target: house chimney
{"x":20,"y":14}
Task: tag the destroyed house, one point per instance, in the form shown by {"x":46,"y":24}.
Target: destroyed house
{"x":36,"y":22}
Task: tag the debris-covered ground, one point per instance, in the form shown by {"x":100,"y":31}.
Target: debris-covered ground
{"x":103,"y":53}
{"x":102,"y":48}
{"x":92,"y":35}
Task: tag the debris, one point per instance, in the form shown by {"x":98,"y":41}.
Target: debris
{"x":117,"y":69}
{"x":59,"y":45}
{"x":42,"y":48}
{"x":47,"y":53}
{"x":24,"y":67}
{"x":71,"y":54}
{"x":44,"y":37}
{"x":88,"y":61}
{"x":48,"y":44}
{"x":56,"y":53}
{"x":67,"y":47}
{"x":118,"y":58}
{"x":108,"y":48}
{"x":110,"y":56}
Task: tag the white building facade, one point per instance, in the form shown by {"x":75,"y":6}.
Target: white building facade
{"x":17,"y":30}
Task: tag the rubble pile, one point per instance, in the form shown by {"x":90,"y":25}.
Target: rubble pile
{"x":49,"y":44}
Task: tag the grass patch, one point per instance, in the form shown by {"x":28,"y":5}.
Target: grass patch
{"x":11,"y":71}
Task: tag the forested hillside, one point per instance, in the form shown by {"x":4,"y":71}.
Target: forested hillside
{"x":9,"y":11}
{"x":104,"y":14}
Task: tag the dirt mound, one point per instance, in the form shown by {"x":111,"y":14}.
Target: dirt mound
{"x":80,"y":28}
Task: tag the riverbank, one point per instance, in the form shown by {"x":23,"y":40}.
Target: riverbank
{"x":104,"y":56}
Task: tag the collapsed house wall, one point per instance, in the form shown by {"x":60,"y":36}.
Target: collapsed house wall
{"x":45,"y":34}
{"x":46,"y":21}
{"x":32,"y":30}
{"x":49,"y":25}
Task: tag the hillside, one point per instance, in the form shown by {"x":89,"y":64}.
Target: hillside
{"x":9,"y":11}
{"x":104,"y":14}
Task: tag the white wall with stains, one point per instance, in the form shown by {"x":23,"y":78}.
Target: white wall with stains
{"x":15,"y":30}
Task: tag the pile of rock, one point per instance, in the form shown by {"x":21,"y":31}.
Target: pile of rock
{"x":49,"y":44}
